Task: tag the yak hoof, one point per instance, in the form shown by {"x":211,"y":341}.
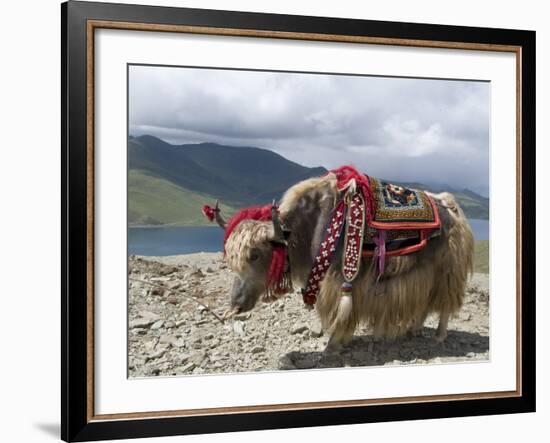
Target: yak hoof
{"x":440,"y":337}
{"x":415,"y":333}
{"x":333,"y":346}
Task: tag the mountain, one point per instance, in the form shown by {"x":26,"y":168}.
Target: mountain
{"x":168,"y":184}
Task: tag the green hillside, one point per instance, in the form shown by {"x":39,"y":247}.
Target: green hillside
{"x":238,"y":176}
{"x":156,"y":201}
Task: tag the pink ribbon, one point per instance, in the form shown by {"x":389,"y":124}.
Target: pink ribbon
{"x":380,"y":251}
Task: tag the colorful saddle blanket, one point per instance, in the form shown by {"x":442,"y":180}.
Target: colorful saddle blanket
{"x":398,"y":207}
{"x":406,"y":215}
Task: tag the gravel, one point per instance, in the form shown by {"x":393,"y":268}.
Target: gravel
{"x":171,"y":334}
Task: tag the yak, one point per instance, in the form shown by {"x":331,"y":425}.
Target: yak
{"x":272,"y":249}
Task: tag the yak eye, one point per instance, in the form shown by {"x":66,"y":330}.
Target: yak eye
{"x":254,"y":256}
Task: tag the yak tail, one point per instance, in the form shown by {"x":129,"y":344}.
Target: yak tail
{"x":341,"y":324}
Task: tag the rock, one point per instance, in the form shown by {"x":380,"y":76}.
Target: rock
{"x":179,"y":343}
{"x":157,"y":354}
{"x":298,"y":328}
{"x":316,"y":329}
{"x":190,"y":356}
{"x":198,"y":358}
{"x":140,"y":323}
{"x":209,"y":336}
{"x":209,"y":270}
{"x":257,"y":349}
{"x":160,"y":279}
{"x":157,"y":325}
{"x":188,"y":367}
{"x":197,"y":272}
{"x":168,"y":339}
{"x":153,"y":317}
{"x":242,"y":317}
{"x":238,"y":327}
{"x":174,"y":285}
{"x":172,"y":299}
{"x":150,"y":345}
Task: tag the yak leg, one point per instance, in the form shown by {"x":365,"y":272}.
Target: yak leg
{"x":416,"y":328}
{"x":334,"y":344}
{"x":441,"y":333}
{"x":418,"y":325}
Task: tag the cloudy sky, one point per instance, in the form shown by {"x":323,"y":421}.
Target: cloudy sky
{"x":432,"y":131}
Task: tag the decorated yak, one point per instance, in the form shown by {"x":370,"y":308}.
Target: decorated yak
{"x":360,"y":250}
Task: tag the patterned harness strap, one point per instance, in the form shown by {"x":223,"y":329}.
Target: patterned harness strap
{"x":324,"y":255}
{"x":350,"y":212}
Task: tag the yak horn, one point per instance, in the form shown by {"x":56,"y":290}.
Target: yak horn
{"x":219,"y":218}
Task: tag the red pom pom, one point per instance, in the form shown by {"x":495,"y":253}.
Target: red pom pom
{"x":208,"y":212}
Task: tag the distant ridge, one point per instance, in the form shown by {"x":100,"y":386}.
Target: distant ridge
{"x":168,"y":184}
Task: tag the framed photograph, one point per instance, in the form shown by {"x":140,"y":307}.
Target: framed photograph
{"x":277,"y":221}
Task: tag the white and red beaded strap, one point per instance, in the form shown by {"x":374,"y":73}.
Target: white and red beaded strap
{"x":353,"y":239}
{"x":326,"y":251}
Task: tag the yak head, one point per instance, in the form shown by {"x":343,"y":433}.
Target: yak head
{"x":256,"y":251}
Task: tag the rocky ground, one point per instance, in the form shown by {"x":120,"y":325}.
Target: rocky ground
{"x":170,"y":333}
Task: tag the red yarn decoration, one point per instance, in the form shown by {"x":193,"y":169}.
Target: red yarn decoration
{"x":277,"y":269}
{"x":346,"y":173}
{"x":260,"y":213}
{"x":209,"y":212}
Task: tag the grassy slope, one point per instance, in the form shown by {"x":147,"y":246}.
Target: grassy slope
{"x":153,"y":200}
{"x":481,"y":261}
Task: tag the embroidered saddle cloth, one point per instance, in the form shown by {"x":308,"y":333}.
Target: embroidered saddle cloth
{"x":407,"y":216}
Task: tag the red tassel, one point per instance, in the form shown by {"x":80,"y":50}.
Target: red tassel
{"x":277,"y":266}
{"x":278,"y":279}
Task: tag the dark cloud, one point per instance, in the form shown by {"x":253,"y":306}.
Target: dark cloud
{"x":404,"y":129}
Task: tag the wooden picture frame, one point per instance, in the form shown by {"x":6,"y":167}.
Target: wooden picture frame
{"x":79,"y":22}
